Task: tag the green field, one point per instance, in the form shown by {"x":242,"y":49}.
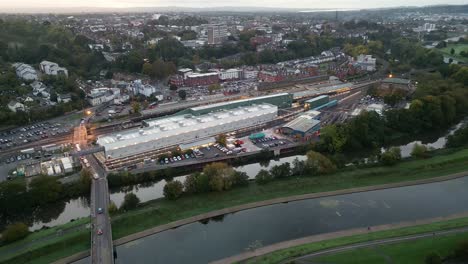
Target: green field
{"x":458,"y":48}
{"x":294,"y":252}
{"x":162,"y":211}
{"x":406,"y":252}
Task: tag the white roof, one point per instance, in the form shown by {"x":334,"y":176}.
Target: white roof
{"x":179,"y":125}
{"x":196,"y":75}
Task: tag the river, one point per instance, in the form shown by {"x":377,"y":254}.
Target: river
{"x":79,"y":207}
{"x":235,"y":233}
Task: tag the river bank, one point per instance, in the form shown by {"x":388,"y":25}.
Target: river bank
{"x":159,"y":212}
{"x":289,"y":250}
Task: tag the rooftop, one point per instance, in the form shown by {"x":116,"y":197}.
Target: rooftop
{"x":204,"y":107}
{"x":303,"y":123}
{"x":177,"y":125}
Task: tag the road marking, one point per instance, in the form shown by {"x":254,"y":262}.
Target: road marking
{"x":338,"y":213}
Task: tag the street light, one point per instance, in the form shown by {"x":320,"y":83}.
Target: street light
{"x":88,"y":112}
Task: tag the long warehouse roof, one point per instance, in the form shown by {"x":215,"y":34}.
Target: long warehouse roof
{"x":176,"y":125}
{"x":236,"y":101}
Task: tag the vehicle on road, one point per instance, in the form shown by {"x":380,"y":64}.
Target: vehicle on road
{"x":95,"y":176}
{"x":99,"y":210}
{"x":99,"y":232}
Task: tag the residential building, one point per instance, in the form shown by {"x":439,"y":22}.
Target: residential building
{"x":38,"y":87}
{"x":137,"y":87}
{"x":103,"y":95}
{"x":197,"y":79}
{"x":16,"y":106}
{"x":25,"y":72}
{"x":217,"y":34}
{"x":64,"y":98}
{"x":231,"y":74}
{"x":367,"y":62}
{"x":52,"y":68}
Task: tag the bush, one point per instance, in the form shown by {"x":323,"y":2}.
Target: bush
{"x":15,"y":232}
{"x":318,"y":163}
{"x":173,"y":190}
{"x":131,"y":201}
{"x":419,"y":151}
{"x":281,"y":171}
{"x":263,"y":177}
{"x":391,"y":156}
{"x":240,"y":179}
{"x":112,"y":208}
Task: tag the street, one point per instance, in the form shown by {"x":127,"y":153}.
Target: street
{"x":101,"y":234}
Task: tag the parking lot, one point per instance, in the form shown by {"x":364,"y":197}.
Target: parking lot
{"x":19,"y":136}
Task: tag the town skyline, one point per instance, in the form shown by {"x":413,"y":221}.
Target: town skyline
{"x":242,"y":5}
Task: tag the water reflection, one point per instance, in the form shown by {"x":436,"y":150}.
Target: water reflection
{"x":206,"y":241}
{"x":78,"y":208}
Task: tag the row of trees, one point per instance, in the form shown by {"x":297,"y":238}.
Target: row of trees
{"x":315,"y":164}
{"x":18,"y":197}
{"x":438,"y":103}
{"x":215,"y":177}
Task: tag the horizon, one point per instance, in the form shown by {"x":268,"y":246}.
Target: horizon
{"x":87,"y":6}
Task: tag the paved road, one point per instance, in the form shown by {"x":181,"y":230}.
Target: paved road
{"x":102,"y":247}
{"x":309,"y":259}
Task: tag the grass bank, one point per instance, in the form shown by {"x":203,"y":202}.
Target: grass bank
{"x":403,"y":252}
{"x":38,"y":240}
{"x":161,"y":211}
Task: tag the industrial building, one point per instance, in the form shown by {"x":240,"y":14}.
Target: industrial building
{"x":281,"y":100}
{"x":184,"y":129}
{"x":304,"y":126}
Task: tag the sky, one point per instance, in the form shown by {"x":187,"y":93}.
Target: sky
{"x":306,"y":4}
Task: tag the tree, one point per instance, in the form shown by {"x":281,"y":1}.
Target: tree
{"x":263,"y":177}
{"x":15,"y":232}
{"x":45,"y":189}
{"x":391,"y":156}
{"x":221,"y":139}
{"x":240,"y":178}
{"x":136,"y":107}
{"x":318,"y":163}
{"x":173,"y":190}
{"x":53,"y":96}
{"x":298,"y":167}
{"x":148,"y":69}
{"x":85,"y":179}
{"x":113,"y":208}
{"x":182,"y":94}
{"x":419,"y":151}
{"x":131,"y":201}
{"x":452,"y":51}
{"x":213,"y":87}
{"x":219,"y":176}
{"x":173,"y":87}
{"x":281,"y":171}
{"x":433,"y":258}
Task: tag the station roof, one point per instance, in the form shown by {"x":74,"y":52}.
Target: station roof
{"x":182,"y":124}
{"x":302,"y":124}
{"x":204,"y":107}
{"x":321,"y":90}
